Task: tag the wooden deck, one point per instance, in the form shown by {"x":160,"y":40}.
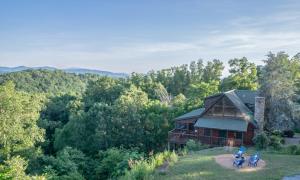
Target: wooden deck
{"x":181,"y":137}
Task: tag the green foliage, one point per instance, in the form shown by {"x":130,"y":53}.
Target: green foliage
{"x":45,"y":81}
{"x":177,"y":80}
{"x":104,"y":90}
{"x":276,"y":142}
{"x":144,"y":169}
{"x":292,"y":149}
{"x":198,"y":92}
{"x":213,"y":71}
{"x":67,"y":164}
{"x":297,"y":130}
{"x":278,"y":87}
{"x":277,"y":133}
{"x":192,"y":145}
{"x":261,"y":140}
{"x":114,"y":162}
{"x":55,"y":115}
{"x":19,"y":114}
{"x":243,"y":75}
{"x":14,"y":168}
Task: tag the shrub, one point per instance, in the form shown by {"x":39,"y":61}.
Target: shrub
{"x":261,"y":140}
{"x":292,"y":149}
{"x":144,"y":169}
{"x":297,"y":130}
{"x":276,"y":142}
{"x":277,"y":133}
{"x":289,"y":133}
{"x":141,"y":170}
{"x":114,"y":162}
{"x":192,"y":145}
{"x":298,"y":151}
{"x":173,"y":158}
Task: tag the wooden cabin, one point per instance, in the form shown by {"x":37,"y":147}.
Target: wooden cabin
{"x":227,"y":119}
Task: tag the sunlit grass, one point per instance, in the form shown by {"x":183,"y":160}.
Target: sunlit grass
{"x":201,"y":165}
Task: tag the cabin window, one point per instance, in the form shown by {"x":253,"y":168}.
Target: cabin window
{"x":238,"y":135}
{"x":223,"y":133}
{"x":207,"y":132}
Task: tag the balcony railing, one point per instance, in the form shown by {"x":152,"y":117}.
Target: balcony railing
{"x":182,"y":136}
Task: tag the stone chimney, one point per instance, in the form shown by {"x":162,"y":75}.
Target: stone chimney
{"x":259,"y":112}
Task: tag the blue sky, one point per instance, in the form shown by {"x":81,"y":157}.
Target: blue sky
{"x":137,"y":35}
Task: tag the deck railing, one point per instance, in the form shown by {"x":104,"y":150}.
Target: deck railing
{"x":181,"y":137}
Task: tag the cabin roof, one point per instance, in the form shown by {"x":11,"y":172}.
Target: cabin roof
{"x":221,"y":123}
{"x":234,"y":98}
{"x":194,"y":113}
{"x":247,"y":96}
{"x":239,"y":98}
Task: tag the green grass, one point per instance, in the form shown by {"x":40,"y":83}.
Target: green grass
{"x":201,"y":165}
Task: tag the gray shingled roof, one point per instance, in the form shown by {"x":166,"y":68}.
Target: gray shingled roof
{"x":247,"y":96}
{"x":224,"y":124}
{"x":194,"y":113}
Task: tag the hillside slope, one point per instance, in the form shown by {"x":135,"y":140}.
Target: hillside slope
{"x":46,"y":81}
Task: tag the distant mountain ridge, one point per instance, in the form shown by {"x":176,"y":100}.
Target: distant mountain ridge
{"x":69,"y":70}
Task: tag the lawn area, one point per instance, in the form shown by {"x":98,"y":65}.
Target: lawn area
{"x":201,"y":165}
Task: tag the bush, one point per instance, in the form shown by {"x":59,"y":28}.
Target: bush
{"x":297,"y":130}
{"x":173,"y":158}
{"x":141,"y":170}
{"x":144,"y":169}
{"x":261,"y":140}
{"x":276,"y":142}
{"x":292,"y":149}
{"x":289,"y":133}
{"x":192,"y":145}
{"x":114,"y":162}
{"x":277,"y":133}
{"x":183,"y":151}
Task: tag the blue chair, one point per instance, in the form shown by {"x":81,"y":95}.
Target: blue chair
{"x":240,"y":153}
{"x":253,"y":160}
{"x":239,"y":162}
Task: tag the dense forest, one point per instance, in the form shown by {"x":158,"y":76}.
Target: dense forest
{"x":58,"y":125}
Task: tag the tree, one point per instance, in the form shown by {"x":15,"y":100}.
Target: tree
{"x":19,"y":115}
{"x":14,"y":168}
{"x":198,"y":92}
{"x":55,"y":115}
{"x":130,"y":118}
{"x":69,"y":163}
{"x":277,"y":85}
{"x":46,"y":81}
{"x":213,"y":71}
{"x":243,"y":75}
{"x":196,"y":69}
{"x":105,"y":90}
